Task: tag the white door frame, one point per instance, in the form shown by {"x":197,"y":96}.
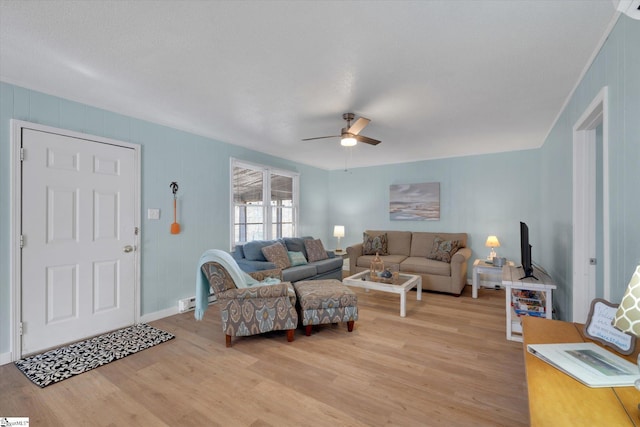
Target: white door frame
{"x":15,"y":262}
{"x":584,"y":140}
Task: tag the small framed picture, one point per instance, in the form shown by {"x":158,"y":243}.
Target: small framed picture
{"x":599,"y":327}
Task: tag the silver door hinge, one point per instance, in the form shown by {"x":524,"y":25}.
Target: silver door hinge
{"x":21,"y":241}
{"x":20,"y":329}
{"x":136,"y":230}
{"x":21,"y":154}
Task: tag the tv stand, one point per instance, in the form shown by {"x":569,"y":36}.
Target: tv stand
{"x":527,"y":276}
{"x":542,"y":287}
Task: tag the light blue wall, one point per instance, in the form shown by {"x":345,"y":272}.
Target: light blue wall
{"x":480,"y":195}
{"x":200,"y":166}
{"x":490,"y":194}
{"x":617,"y":66}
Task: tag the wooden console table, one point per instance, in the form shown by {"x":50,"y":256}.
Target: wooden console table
{"x":556,"y":399}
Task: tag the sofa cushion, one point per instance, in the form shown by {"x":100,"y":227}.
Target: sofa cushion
{"x":277,"y":254}
{"x":299,"y":272}
{"x":423,"y":265}
{"x":421,"y":243}
{"x":460,"y":237}
{"x":253,"y":250}
{"x":238,"y":252}
{"x":399,"y":242}
{"x":297,"y":258}
{"x":315,"y":250}
{"x":296,"y":244}
{"x":372,"y":245}
{"x":443,"y":250}
{"x":365,"y":260}
{"x":251,"y":266}
{"x":329,"y":264}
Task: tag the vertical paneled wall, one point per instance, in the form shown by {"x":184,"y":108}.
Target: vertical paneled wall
{"x":480,"y":195}
{"x":200,"y":166}
{"x":616,"y":66}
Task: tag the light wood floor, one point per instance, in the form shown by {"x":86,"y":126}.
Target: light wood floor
{"x":446,"y":364}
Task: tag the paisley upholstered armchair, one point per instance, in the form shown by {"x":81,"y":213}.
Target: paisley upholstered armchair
{"x":255,"y":309}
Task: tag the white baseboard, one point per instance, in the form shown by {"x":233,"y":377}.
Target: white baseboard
{"x":5,"y":358}
{"x":157,"y":315}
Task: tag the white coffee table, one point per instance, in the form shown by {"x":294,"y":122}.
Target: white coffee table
{"x":403,"y":284}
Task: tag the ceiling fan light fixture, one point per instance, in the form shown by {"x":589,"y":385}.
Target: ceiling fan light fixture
{"x":350,"y":135}
{"x":348,"y":141}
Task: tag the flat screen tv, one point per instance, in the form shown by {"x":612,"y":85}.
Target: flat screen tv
{"x":525,"y":251}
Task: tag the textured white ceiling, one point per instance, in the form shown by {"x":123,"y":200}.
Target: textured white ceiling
{"x":436,"y":78}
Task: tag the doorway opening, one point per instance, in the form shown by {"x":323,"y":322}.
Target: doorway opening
{"x":591,"y":207}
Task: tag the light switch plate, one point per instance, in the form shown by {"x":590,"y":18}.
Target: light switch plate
{"x":153,"y":213}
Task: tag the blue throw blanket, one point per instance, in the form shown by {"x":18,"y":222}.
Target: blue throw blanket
{"x":239,"y":277}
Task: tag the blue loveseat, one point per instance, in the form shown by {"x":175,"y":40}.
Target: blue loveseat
{"x":250,"y":258}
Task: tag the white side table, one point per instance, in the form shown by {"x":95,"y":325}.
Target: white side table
{"x":481,"y":266}
{"x":513,"y":281}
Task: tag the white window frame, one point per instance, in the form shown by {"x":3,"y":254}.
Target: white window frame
{"x":267,"y":171}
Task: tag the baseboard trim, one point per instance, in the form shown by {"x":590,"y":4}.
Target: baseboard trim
{"x":157,"y":315}
{"x":5,"y":358}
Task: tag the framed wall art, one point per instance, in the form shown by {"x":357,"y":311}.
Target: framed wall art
{"x":414,"y":202}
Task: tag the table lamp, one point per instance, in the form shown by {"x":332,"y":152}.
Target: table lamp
{"x":492,"y":242}
{"x":627,"y":317}
{"x":338,"y":231}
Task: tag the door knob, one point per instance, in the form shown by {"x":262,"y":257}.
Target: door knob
{"x":128,"y":248}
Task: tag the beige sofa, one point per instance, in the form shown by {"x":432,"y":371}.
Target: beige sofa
{"x":410,"y":250}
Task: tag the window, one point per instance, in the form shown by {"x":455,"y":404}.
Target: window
{"x":265,"y":202}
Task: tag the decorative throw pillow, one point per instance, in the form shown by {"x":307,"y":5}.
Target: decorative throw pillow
{"x":315,"y":250}
{"x":297,"y":258}
{"x":295,"y":244}
{"x":372,"y":245}
{"x":277,"y":254}
{"x":625,"y":317}
{"x":443,"y":250}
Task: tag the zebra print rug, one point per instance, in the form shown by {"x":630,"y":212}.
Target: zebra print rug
{"x":59,"y":364}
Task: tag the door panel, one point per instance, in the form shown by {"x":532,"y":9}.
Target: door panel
{"x":106,"y":209}
{"x":62,"y":215}
{"x":78,"y":213}
{"x":62,"y":290}
{"x":106,"y":286}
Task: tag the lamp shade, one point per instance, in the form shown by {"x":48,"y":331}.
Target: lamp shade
{"x":627,"y":317}
{"x":492,"y":242}
{"x":338,"y":231}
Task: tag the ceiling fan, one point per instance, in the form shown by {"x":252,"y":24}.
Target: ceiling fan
{"x":350,"y":134}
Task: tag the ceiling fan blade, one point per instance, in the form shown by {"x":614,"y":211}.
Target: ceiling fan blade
{"x":321,"y":137}
{"x":367,"y":140}
{"x":358,"y":125}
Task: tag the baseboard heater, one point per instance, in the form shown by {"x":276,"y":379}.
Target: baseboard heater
{"x":187,"y":304}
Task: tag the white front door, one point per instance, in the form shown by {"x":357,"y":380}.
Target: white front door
{"x":78,"y":226}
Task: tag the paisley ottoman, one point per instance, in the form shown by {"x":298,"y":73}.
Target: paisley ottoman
{"x":325,"y":301}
